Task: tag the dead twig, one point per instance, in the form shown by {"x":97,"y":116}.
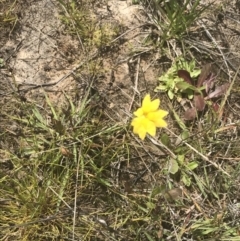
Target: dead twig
{"x":135,"y":84}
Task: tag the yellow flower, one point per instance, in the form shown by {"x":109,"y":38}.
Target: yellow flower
{"x":148,"y":117}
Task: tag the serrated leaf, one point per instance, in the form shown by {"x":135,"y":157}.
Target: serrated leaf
{"x":195,"y":73}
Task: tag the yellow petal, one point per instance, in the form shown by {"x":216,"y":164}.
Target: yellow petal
{"x":146,"y":100}
{"x":139,"y":126}
{"x":138,"y":112}
{"x":142,"y":133}
{"x":140,"y":130}
{"x":159,"y":114}
{"x":160,"y":123}
{"x":137,"y":121}
{"x":148,"y":105}
{"x":157,"y":118}
{"x":137,"y":129}
{"x":151,"y":128}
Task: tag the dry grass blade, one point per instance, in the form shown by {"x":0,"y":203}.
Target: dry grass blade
{"x":228,"y":91}
{"x":219,"y":91}
{"x":204,"y":74}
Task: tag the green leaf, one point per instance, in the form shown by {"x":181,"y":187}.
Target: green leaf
{"x":104,"y":182}
{"x":150,"y":205}
{"x":161,"y":87}
{"x":184,"y":135}
{"x":149,"y":237}
{"x":39,"y":116}
{"x":178,"y":119}
{"x":172,"y":83}
{"x":181,"y":158}
{"x":165,"y":139}
{"x":173,"y":169}
{"x":195,"y":73}
{"x":157,"y":190}
{"x":186,"y":180}
{"x":183,"y":85}
{"x":170,"y":94}
{"x":192,"y":165}
{"x":189,"y":93}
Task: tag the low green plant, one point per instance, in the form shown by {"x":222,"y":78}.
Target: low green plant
{"x":59,"y":149}
{"x":172,"y":18}
{"x":82,"y":22}
{"x":184,"y":166}
{"x":215,"y":227}
{"x":171,"y":83}
{"x":77,"y":18}
{"x":103,"y":35}
{"x":8,"y":11}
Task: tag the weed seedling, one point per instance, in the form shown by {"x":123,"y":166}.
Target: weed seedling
{"x":171,"y":82}
{"x":172,"y":18}
{"x":204,"y":90}
{"x":180,"y":82}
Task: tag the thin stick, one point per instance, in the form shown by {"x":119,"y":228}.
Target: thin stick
{"x":135,"y":84}
{"x":201,"y":155}
{"x":157,"y":143}
{"x":128,"y":31}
